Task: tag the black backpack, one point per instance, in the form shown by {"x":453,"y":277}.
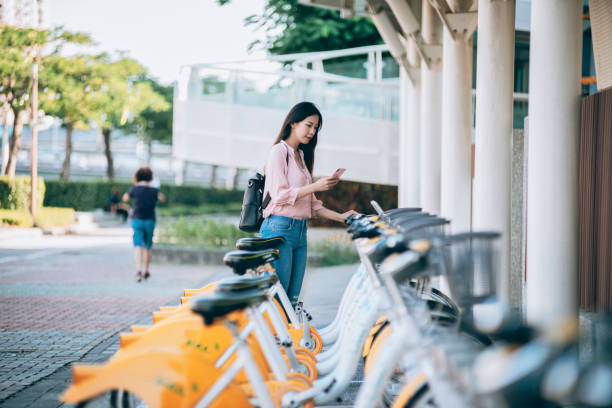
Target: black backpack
{"x":253,"y":203}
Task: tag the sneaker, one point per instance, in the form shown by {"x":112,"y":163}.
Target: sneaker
{"x":146,"y":275}
{"x":138,"y":276}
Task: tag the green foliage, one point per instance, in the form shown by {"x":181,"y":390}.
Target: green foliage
{"x":88,"y":195}
{"x":55,"y":217}
{"x":179,"y":210}
{"x":46,"y":217}
{"x":15,"y":192}
{"x":335,"y":253}
{"x":200,"y":233}
{"x":125,"y":93}
{"x":195,"y":195}
{"x":18,"y":51}
{"x":154,"y":122}
{"x":69,"y":88}
{"x":16,"y":218}
{"x":291,"y":28}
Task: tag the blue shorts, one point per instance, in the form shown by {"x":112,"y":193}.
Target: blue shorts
{"x":143,"y":233}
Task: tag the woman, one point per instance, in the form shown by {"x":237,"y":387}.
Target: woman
{"x":292,"y":200}
{"x":144,"y":199}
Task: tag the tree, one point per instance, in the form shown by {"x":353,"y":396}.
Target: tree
{"x":18,"y":47}
{"x":291,"y":28}
{"x":17,"y":53}
{"x":69,"y":88}
{"x":154,"y":123}
{"x":122,"y":98}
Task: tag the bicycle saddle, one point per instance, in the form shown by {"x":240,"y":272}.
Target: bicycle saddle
{"x":240,"y":261}
{"x":242,"y":283}
{"x":218,"y":304}
{"x":257,"y":244}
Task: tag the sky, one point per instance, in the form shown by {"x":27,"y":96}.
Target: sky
{"x":161,"y":34}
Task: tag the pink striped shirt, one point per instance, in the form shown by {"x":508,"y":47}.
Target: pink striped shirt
{"x":283,"y":180}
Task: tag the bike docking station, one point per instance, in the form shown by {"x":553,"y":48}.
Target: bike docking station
{"x":239,"y":342}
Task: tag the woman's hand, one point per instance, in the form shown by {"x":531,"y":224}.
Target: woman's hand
{"x":346,"y":214}
{"x":325,"y":183}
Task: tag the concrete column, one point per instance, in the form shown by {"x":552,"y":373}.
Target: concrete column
{"x":456,"y":129}
{"x":409,"y":142}
{"x":431,"y":129}
{"x":552,"y":177}
{"x":494,"y":102}
{"x":179,"y":171}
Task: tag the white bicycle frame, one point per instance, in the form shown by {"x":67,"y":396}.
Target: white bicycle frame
{"x":243,"y":361}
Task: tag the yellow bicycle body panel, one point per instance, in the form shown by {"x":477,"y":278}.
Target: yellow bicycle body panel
{"x":378,"y":342}
{"x":188,"y":331}
{"x":162,"y":378}
{"x":372,"y":334}
{"x":203,"y":289}
{"x":409,"y":391}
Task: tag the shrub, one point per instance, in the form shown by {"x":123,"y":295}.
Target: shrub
{"x":335,"y":253}
{"x":15,"y":192}
{"x":55,"y":217}
{"x":16,"y":218}
{"x":179,"y":210}
{"x":46,"y":217}
{"x":200,"y":233}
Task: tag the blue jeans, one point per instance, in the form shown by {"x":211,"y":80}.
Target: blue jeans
{"x":291,"y":265}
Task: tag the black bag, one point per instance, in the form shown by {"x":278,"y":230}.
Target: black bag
{"x":253,"y":203}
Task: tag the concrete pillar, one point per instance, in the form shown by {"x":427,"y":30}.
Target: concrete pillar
{"x":409,"y":141}
{"x":179,"y":171}
{"x":552,"y":177}
{"x":456,"y":129}
{"x":431,"y":129}
{"x":494,"y":103}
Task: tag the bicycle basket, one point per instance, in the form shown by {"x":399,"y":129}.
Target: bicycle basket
{"x":472,"y":266}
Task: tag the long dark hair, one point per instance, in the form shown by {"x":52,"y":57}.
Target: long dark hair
{"x":297,"y":114}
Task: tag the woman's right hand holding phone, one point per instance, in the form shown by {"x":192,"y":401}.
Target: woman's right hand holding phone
{"x":325,"y":183}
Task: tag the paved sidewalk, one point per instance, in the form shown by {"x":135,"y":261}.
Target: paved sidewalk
{"x":64,"y":299}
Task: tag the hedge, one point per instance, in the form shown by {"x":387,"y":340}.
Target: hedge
{"x":46,"y":217}
{"x":88,"y":195}
{"x":15,"y":192}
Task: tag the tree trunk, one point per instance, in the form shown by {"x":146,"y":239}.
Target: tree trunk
{"x":110,"y":171}
{"x":149,"y":152}
{"x":5,"y":138}
{"x":11,"y":166}
{"x":213,"y":175}
{"x":65,"y":174}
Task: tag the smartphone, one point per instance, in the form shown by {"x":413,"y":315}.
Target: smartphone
{"x":338,"y":173}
